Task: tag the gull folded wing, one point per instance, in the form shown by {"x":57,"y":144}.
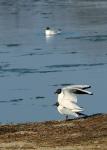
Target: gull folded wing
{"x":70,"y":105}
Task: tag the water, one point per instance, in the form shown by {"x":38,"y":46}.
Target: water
{"x":32,"y":66}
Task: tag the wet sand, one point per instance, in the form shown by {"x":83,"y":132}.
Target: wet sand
{"x":79,"y":134}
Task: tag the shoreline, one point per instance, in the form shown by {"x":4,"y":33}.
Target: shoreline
{"x":79,"y":134}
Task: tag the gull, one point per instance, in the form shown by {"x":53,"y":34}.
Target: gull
{"x":65,"y":111}
{"x":67,"y":99}
{"x":51,"y":32}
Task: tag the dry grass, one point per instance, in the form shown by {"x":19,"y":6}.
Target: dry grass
{"x":86,"y":133}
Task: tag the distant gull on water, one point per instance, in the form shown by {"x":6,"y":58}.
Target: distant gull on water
{"x":51,"y":32}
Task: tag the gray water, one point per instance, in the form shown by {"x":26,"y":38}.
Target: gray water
{"x":32,"y":66}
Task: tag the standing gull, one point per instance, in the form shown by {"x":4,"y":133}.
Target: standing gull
{"x":67,"y":99}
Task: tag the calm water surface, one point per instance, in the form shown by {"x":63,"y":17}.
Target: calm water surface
{"x":32,"y":66}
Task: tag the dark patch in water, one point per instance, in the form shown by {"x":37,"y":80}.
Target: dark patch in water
{"x":39,"y":97}
{"x":37,"y":53}
{"x":4,"y":52}
{"x":29,"y":54}
{"x":74,"y":65}
{"x":20,"y":70}
{"x":70,"y":52}
{"x":63,"y":84}
{"x":6,"y":3}
{"x":13,"y":45}
{"x":49,"y":71}
{"x":13,"y":100}
{"x":38,"y":49}
{"x":45,"y":53}
{"x":46,"y":13}
{"x":73,"y":52}
{"x":3,"y":65}
{"x":3,"y":101}
{"x":16,"y":100}
{"x":3,"y":75}
{"x":95,"y":38}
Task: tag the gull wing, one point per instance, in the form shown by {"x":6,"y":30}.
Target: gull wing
{"x":80,"y":91}
{"x":77,"y":86}
{"x":76,"y":90}
{"x":72,"y":106}
{"x":69,"y":96}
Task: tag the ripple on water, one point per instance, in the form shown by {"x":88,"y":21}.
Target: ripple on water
{"x":39,"y":97}
{"x":49,"y":71}
{"x":16,"y":100}
{"x":69,"y":52}
{"x":4,"y":101}
{"x":13,"y":45}
{"x":74,"y":65}
{"x":95,"y":38}
{"x":6,"y":52}
{"x":38,"y":49}
{"x":36,"y":53}
{"x":19,"y":70}
{"x":4,"y":65}
{"x":46,"y":69}
{"x":62,"y":84}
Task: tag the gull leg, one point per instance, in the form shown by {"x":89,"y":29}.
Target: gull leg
{"x":66,"y":117}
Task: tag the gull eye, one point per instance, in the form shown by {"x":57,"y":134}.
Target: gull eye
{"x":59,"y":91}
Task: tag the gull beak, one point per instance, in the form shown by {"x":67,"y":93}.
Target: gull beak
{"x":56,"y":104}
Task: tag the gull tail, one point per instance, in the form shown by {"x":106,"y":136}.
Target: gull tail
{"x":81,"y":114}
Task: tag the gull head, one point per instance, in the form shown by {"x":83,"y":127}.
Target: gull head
{"x":47,"y":28}
{"x":58,"y":91}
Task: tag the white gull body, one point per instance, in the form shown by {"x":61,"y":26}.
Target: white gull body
{"x":65,"y":111}
{"x":51,"y":32}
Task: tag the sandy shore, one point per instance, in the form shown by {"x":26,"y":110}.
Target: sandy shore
{"x":80,"y":134}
